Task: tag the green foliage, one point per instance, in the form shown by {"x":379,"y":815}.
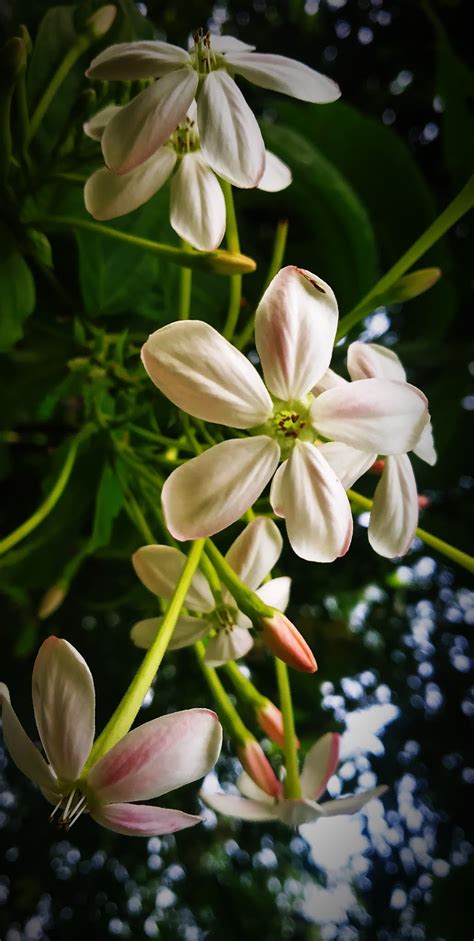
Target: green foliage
{"x":17,"y":291}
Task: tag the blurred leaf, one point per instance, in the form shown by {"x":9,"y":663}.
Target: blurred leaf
{"x":131,"y":25}
{"x":17,"y":291}
{"x":109,"y":502}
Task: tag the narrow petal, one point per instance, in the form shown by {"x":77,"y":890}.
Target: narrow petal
{"x":372,"y":414}
{"x":394,"y":515}
{"x":127,"y":61}
{"x":239,"y":807}
{"x":160,"y":569}
{"x":25,"y":755}
{"x":277,"y":175}
{"x":228,"y":645}
{"x":330,"y":380}
{"x":297,"y":812}
{"x":314,"y":504}
{"x":197,"y":204}
{"x":187,"y":631}
{"x":95,"y":127}
{"x":158,"y":757}
{"x":202,"y":373}
{"x":254,"y":553}
{"x":372,"y":361}
{"x":249,"y":789}
{"x":287,"y":76}
{"x":229,"y":44}
{"x":139,"y":129}
{"x":231,"y":140}
{"x":320,"y":764}
{"x":213,"y":490}
{"x":143,"y":819}
{"x":64,"y":704}
{"x":350,"y":805}
{"x":347,"y":463}
{"x":295,"y":328}
{"x":276,"y":592}
{"x":425,"y":448}
{"x":108,"y":195}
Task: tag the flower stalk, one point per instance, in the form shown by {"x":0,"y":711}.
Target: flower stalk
{"x":292,"y":781}
{"x":233,"y":245}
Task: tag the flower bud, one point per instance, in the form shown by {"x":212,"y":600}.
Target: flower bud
{"x":423,"y":501}
{"x":12,"y":60}
{"x":259,"y":768}
{"x":377,"y":467}
{"x":222,"y":262}
{"x":100,"y":22}
{"x":270,"y":720}
{"x":286,"y":642}
{"x":413,"y":284}
{"x":51,"y":601}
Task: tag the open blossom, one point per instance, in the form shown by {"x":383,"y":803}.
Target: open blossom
{"x":320,"y":764}
{"x":394,"y":515}
{"x":231,"y":142}
{"x":151,"y":760}
{"x":252,"y":556}
{"x":198,"y":212}
{"x":203,"y":374}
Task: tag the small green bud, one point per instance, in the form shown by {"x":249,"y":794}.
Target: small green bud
{"x":100,"y":22}
{"x":25,"y":36}
{"x":413,"y":284}
{"x":39,"y":247}
{"x":12,"y":60}
{"x":222,"y":262}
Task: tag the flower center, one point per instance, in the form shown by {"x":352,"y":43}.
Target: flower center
{"x":290,"y":422}
{"x":224,"y":617}
{"x":69,"y":808}
{"x":203,"y":58}
{"x":185,"y":139}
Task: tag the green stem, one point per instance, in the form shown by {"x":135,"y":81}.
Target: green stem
{"x":5,"y":131}
{"x":276,"y":261}
{"x":244,"y":687}
{"x":185,"y":285}
{"x":74,"y":53}
{"x":233,"y":244}
{"x":212,"y":577}
{"x":456,"y":209}
{"x":249,"y":603}
{"x":456,"y":555}
{"x":292,"y":782}
{"x":228,"y":714}
{"x":127,"y":711}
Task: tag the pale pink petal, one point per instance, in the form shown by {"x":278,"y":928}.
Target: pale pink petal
{"x":239,"y":806}
{"x":202,"y":373}
{"x":161,"y":567}
{"x":372,"y":361}
{"x":197,"y":204}
{"x":213,"y":490}
{"x":314,"y":504}
{"x":143,"y":819}
{"x":347,"y":463}
{"x":372,"y":414}
{"x":277,"y":175}
{"x":254,"y":553}
{"x":319,"y":765}
{"x":284,"y":75}
{"x":127,"y":61}
{"x":276,"y":592}
{"x":350,"y":805}
{"x":158,"y":757}
{"x":187,"y":631}
{"x":142,"y":126}
{"x":64,"y":704}
{"x":297,"y":812}
{"x":295,"y":327}
{"x":229,"y":44}
{"x":330,"y":380}
{"x":96,"y":125}
{"x":108,"y":195}
{"x":425,"y":448}
{"x":231,"y":141}
{"x":25,"y":755}
{"x":249,"y":789}
{"x":394,"y":515}
{"x":228,"y":645}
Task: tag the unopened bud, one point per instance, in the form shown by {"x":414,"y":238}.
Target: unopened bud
{"x":222,"y":262}
{"x":413,"y":284}
{"x":12,"y":59}
{"x":286,"y":642}
{"x":258,"y":767}
{"x":423,"y":501}
{"x":270,"y":720}
{"x":100,"y":22}
{"x":51,"y":601}
{"x":25,"y":36}
{"x":377,"y":467}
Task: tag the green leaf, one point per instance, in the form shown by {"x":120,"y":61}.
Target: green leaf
{"x":17,"y":291}
{"x":109,"y":502}
{"x":131,"y":25}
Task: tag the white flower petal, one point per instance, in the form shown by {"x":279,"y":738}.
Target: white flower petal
{"x":277,"y":175}
{"x":228,"y":645}
{"x":239,"y":806}
{"x":372,"y":361}
{"x":254,"y":553}
{"x":231,"y":140}
{"x":229,"y":44}
{"x":297,"y":812}
{"x":25,"y":755}
{"x":197,"y":204}
{"x":295,"y":328}
{"x":394,"y":515}
{"x":373,"y":415}
{"x":284,"y":75}
{"x":158,"y":757}
{"x":425,"y":448}
{"x":213,"y":490}
{"x":330,"y":380}
{"x":142,"y":126}
{"x":96,"y":125}
{"x":108,"y":195}
{"x":248,"y":788}
{"x":161,"y":567}
{"x":202,"y":373}
{"x":276,"y":592}
{"x":314,"y":504}
{"x":64,"y":704}
{"x":320,"y":764}
{"x":187,"y":631}
{"x":347,"y":463}
{"x":127,"y":61}
{"x":350,"y":805}
{"x":143,"y":819}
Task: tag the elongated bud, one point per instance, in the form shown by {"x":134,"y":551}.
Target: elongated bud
{"x":286,"y":642}
{"x":222,"y":262}
{"x":100,"y":22}
{"x":270,"y":720}
{"x":258,"y":767}
{"x":51,"y":601}
{"x":413,"y":284}
{"x":12,"y":60}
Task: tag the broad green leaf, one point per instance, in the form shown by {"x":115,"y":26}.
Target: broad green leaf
{"x":17,"y":291}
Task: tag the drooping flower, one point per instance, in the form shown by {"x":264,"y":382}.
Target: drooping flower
{"x":149,"y":761}
{"x":197,"y":212}
{"x":319,"y":766}
{"x":394,"y":515}
{"x":252,"y":556}
{"x":231,"y":142}
{"x":204,"y":375}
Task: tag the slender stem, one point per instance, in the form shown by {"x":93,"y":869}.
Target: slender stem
{"x":73,"y":54}
{"x":456,"y":209}
{"x":127,"y":711}
{"x":279,"y":246}
{"x":248,"y":602}
{"x":233,"y":244}
{"x":5,"y":131}
{"x":456,"y":555}
{"x":292,"y":782}
{"x":185,"y":285}
{"x":243,"y":686}
{"x":212,"y":577}
{"x":228,"y":714}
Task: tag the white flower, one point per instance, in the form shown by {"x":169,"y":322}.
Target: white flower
{"x":320,"y":764}
{"x":151,"y":760}
{"x":252,"y":556}
{"x":231,"y":142}
{"x":198,"y":212}
{"x":207,"y":377}
{"x":394,"y":515}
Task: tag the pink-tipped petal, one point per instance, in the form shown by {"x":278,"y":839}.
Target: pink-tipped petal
{"x":25,"y":755}
{"x":239,"y":807}
{"x":286,"y":642}
{"x":231,"y":140}
{"x":161,"y":567}
{"x":394,"y":515}
{"x":64,"y":704}
{"x":270,"y":720}
{"x":128,"y":61}
{"x":108,"y":195}
{"x":254,"y":553}
{"x":297,"y":812}
{"x":197,"y":204}
{"x":143,"y":819}
{"x":320,"y":764}
{"x":350,"y":805}
{"x":347,"y":463}
{"x":372,"y":361}
{"x":158,"y":757}
{"x":277,"y":175}
{"x":295,"y":328}
{"x":284,"y":75}
{"x":228,"y":645}
{"x":248,"y":788}
{"x":258,"y":768}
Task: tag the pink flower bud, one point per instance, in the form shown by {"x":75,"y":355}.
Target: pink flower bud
{"x":377,"y":467}
{"x":286,"y":642}
{"x":259,"y":768}
{"x":423,"y":501}
{"x":270,"y":720}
